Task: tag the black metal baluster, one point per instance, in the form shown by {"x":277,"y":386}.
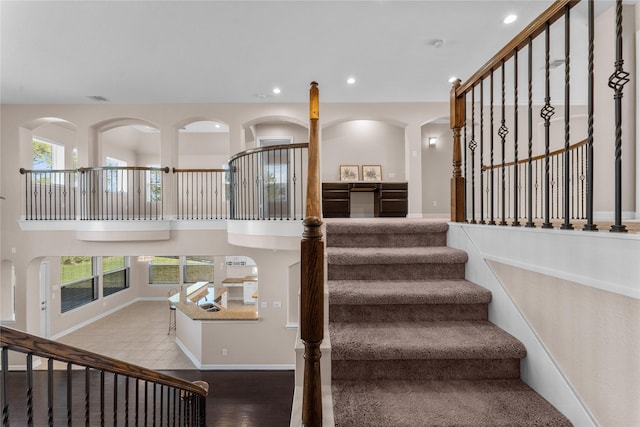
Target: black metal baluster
{"x":50,"y":391}
{"x":590,"y":226}
{"x":69,"y":396}
{"x":102,"y":398}
{"x":482,"y":152}
{"x":516,"y":197}
{"x":5,"y":381}
{"x":566,"y":192}
{"x":530,"y":222}
{"x":29,"y":389}
{"x":491,"y":186}
{"x":155,"y":398}
{"x":472,"y":146}
{"x":546,"y":113}
{"x":616,"y":82}
{"x":161,"y":403}
{"x":502,"y":133}
{"x":137,"y":403}
{"x":115,"y":400}
{"x":464,"y":171}
{"x":87,"y":396}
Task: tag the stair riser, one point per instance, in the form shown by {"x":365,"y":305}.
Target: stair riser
{"x":386,"y":240}
{"x":432,"y":369}
{"x":407,"y":312}
{"x":396,"y":271}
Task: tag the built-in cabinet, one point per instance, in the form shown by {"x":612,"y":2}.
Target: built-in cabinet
{"x":241,"y":274}
{"x":390,"y":198}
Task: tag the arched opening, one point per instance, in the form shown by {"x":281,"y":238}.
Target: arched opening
{"x":203,"y":144}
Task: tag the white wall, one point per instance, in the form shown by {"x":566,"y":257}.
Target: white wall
{"x":436,"y":170}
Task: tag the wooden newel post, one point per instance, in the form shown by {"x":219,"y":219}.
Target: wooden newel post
{"x":312,"y":278}
{"x":457,"y":181}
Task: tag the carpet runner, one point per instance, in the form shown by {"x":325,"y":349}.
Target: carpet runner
{"x":411,"y":344}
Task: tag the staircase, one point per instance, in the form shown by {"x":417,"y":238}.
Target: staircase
{"x":411,"y":344}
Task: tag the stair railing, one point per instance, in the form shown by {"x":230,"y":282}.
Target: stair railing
{"x":480,"y":190}
{"x":267,"y":183}
{"x":136,"y":395}
{"x":312,"y":276}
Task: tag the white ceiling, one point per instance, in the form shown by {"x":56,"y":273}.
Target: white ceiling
{"x":235,"y":51}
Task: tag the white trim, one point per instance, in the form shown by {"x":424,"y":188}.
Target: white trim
{"x":610,"y":215}
{"x":188,"y":353}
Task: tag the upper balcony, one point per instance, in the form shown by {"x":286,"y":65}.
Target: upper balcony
{"x":146,"y":203}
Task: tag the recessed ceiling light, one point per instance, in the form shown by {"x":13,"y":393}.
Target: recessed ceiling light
{"x":351,"y":80}
{"x":452,"y":79}
{"x":276,"y":90}
{"x":510,"y":19}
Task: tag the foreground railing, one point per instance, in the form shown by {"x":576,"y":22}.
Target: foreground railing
{"x":91,"y":389}
{"x":268,"y":182}
{"x":500,"y":173}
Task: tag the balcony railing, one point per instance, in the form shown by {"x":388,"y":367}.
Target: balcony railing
{"x":269,"y":182}
{"x":261,"y":184}
{"x":202,"y":194}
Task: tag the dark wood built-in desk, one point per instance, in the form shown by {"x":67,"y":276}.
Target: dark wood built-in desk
{"x":390,"y":198}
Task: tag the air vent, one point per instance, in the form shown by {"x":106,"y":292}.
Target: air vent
{"x":97,"y":98}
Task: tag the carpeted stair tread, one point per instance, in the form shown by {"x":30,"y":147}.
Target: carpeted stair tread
{"x":390,"y":292}
{"x":421,"y":340}
{"x":416,"y":403}
{"x":384,"y":226}
{"x":401,"y":255}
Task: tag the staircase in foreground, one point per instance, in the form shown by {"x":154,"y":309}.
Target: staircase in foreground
{"x":411,"y":344}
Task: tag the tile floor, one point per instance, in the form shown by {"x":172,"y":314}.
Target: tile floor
{"x":136,"y":334}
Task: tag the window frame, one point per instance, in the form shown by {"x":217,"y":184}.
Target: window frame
{"x":93,"y":279}
{"x":126,"y":269}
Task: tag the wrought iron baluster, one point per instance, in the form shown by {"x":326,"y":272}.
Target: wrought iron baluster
{"x":546,"y":113}
{"x":29,"y":389}
{"x":5,"y":381}
{"x":87,"y":396}
{"x":516,"y":197}
{"x":472,"y":146}
{"x":69,"y":396}
{"x":481,"y":152}
{"x":491,"y":186}
{"x":618,"y":79}
{"x":464,"y":173}
{"x":566,"y":190}
{"x":502,"y":133}
{"x":50,"y":391}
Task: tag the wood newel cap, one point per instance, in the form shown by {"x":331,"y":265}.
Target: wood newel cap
{"x":314,"y":109}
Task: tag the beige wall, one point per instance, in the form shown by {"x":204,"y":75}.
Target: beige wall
{"x":436,"y":170}
{"x":593,"y":336}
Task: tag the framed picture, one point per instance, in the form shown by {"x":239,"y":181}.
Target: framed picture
{"x":371,"y":173}
{"x":349,"y":173}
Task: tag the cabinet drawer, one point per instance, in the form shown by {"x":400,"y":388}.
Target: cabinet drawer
{"x":393,"y":186}
{"x":393,"y":194}
{"x":335,"y":208}
{"x":335,"y":194}
{"x":335,"y":186}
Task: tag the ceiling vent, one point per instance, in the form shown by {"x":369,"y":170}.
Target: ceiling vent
{"x":97,"y":98}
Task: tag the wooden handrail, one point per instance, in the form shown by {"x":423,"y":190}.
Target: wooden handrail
{"x":130,"y":168}
{"x":175,"y":170}
{"x":537,"y":26}
{"x":269,"y":148}
{"x":25,"y":171}
{"x":42,"y":347}
{"x":539,"y":157}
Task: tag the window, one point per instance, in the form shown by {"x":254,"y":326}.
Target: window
{"x":198,"y":269}
{"x":116,"y":180}
{"x":154,"y":184}
{"x":47,"y":155}
{"x":164,"y":270}
{"x":115,"y":274}
{"x":78,"y":282}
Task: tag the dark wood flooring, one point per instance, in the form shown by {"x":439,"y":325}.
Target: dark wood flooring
{"x":236,"y":398}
